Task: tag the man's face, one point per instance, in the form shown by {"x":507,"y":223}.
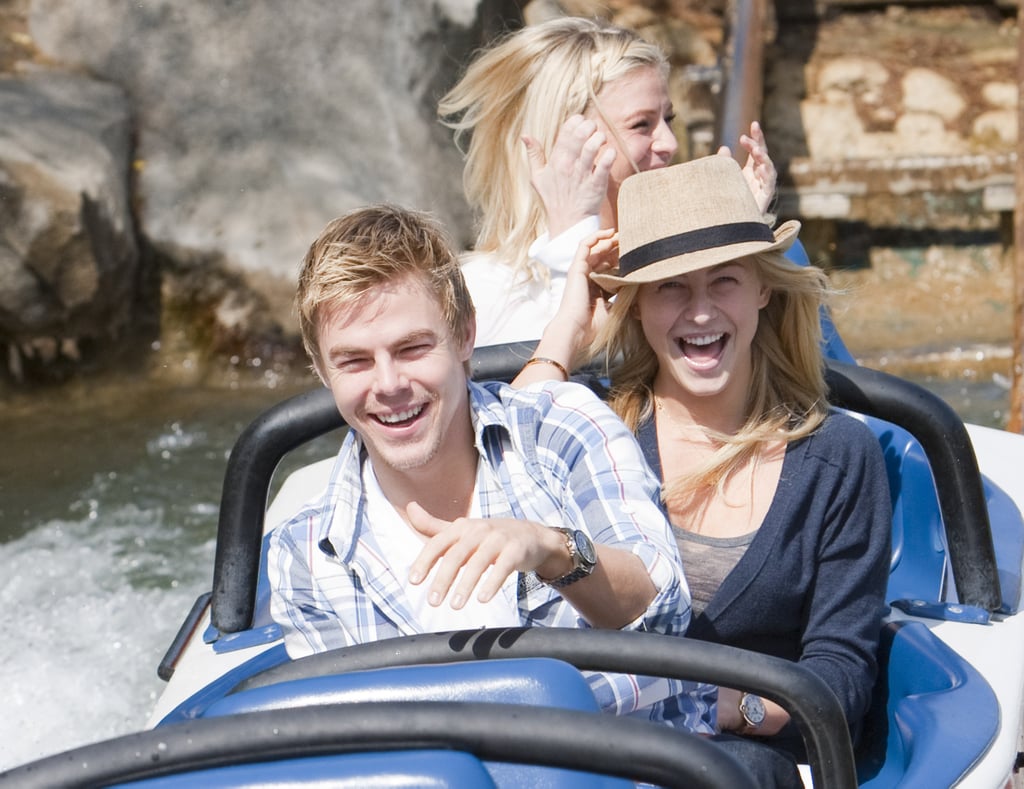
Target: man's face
{"x":398,"y":376}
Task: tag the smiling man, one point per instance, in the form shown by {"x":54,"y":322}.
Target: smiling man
{"x":456,"y":505}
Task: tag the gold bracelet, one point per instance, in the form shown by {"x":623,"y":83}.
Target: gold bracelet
{"x":544,"y":360}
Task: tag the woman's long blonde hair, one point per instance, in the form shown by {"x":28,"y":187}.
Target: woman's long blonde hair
{"x":530,"y":82}
{"x":787,"y":398}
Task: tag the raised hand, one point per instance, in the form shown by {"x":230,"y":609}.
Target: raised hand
{"x":759,"y":169}
{"x":572,"y":181}
{"x":584,"y":306}
{"x":581,"y":313}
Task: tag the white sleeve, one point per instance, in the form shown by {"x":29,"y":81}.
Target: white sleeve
{"x":557,"y":253}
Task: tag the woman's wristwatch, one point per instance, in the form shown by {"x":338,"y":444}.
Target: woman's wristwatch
{"x":753,"y":711}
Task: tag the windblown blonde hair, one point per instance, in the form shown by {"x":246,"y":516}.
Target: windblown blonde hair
{"x":372,"y":246}
{"x":530,"y":82}
{"x":788,"y":396}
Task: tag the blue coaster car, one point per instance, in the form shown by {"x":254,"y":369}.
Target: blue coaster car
{"x":510,"y":708}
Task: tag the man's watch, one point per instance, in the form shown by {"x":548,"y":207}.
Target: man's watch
{"x":752,"y":709}
{"x":582,"y":555}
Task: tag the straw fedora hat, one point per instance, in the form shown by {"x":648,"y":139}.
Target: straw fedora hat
{"x":686,"y":217}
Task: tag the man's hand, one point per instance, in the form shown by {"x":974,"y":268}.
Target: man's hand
{"x":488,"y":550}
{"x":572,"y":182}
{"x":485,"y":550}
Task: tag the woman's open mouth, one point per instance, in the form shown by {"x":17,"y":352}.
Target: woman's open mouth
{"x":703,"y":349}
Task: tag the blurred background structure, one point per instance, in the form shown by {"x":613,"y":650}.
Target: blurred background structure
{"x":162,"y":165}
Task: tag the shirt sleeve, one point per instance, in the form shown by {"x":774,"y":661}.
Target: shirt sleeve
{"x":610,"y":493}
{"x":307,"y":619}
{"x":682,"y":704}
{"x":557,"y":253}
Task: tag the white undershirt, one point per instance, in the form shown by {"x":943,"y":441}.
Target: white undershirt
{"x":402,"y":544}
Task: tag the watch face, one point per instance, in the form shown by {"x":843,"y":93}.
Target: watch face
{"x":752,"y":708}
{"x":585,"y":548}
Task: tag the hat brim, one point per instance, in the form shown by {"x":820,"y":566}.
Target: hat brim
{"x":785,"y":235}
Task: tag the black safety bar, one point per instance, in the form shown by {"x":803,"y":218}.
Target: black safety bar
{"x":947,"y":445}
{"x":602,"y":744}
{"x":808,"y":699}
{"x":243,"y":499}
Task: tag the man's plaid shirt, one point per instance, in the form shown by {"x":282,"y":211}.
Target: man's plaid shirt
{"x":553,"y":453}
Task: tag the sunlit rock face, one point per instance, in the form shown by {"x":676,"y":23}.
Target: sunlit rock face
{"x":259,"y":122}
{"x":252,"y":126}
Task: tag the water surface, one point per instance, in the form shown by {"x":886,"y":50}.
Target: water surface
{"x":108,"y":506}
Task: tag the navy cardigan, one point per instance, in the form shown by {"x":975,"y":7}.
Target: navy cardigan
{"x":811,"y":585}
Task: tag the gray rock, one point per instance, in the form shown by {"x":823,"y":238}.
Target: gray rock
{"x":258,"y":122}
{"x":68,"y":256}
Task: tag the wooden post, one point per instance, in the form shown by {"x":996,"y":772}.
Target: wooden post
{"x":1015,"y":422}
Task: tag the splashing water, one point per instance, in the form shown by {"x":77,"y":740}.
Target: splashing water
{"x":97,"y":601}
{"x":108,"y":512}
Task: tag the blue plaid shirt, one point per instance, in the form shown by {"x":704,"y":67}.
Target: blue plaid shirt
{"x":553,"y":453}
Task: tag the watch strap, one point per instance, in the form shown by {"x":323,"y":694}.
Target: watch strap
{"x":580,"y":568}
{"x":570,"y":578}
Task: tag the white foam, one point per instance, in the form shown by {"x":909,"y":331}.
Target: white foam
{"x":88,"y":610}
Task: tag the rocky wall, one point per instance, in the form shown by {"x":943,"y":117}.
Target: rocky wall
{"x":201,"y":146}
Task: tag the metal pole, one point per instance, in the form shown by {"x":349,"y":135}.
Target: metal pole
{"x":1015,"y":422}
{"x":743,"y":91}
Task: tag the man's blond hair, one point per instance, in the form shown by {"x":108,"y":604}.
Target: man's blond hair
{"x":371,"y":246}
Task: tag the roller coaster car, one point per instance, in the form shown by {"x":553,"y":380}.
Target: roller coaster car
{"x":510,"y":707}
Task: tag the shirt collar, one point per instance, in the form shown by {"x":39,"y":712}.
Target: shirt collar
{"x":344,"y":502}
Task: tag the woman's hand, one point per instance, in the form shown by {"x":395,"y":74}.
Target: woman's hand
{"x":582,"y":312}
{"x":572,"y":182}
{"x":759,"y":169}
{"x":731,"y":719}
{"x":728,"y":710}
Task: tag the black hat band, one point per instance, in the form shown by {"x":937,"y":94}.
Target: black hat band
{"x":693,"y":241}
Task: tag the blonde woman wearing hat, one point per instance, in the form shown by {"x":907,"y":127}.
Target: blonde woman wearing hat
{"x":558,"y":116}
{"x":780,"y":506}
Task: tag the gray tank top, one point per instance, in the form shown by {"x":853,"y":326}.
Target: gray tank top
{"x":706,"y":562}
